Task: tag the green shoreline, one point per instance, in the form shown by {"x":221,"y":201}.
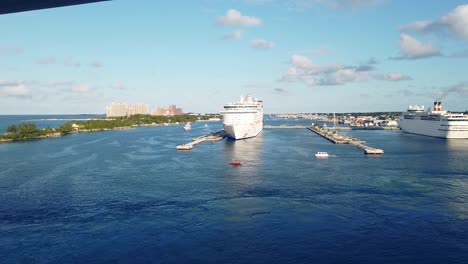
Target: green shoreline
{"x":29,"y":131}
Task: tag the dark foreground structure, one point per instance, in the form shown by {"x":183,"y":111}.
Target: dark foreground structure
{"x":14,"y":6}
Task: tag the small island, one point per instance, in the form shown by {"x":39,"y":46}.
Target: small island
{"x":28,"y":131}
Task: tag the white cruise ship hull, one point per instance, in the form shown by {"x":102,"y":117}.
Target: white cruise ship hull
{"x":243,"y":119}
{"x":440,"y":129}
{"x":242,"y":131}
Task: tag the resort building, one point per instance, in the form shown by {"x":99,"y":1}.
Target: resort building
{"x":124,"y":109}
{"x":117,"y":109}
{"x":171,"y":110}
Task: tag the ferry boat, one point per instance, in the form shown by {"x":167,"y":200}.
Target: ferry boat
{"x":243,"y":119}
{"x":434,"y":123}
{"x":187,"y":126}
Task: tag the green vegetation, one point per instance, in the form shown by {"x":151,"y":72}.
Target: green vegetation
{"x":30,"y":131}
{"x":119,"y":122}
{"x":25,"y":131}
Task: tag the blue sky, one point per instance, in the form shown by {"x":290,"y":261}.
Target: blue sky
{"x":297,"y":55}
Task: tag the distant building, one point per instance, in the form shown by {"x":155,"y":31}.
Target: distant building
{"x":138,"y":109}
{"x":117,"y":109}
{"x":171,"y":110}
{"x":124,"y":109}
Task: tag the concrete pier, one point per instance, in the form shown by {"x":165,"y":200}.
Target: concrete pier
{"x":216,"y":136}
{"x":338,"y":138}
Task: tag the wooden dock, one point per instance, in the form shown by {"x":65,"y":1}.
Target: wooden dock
{"x":215,"y":136}
{"x":337,"y":138}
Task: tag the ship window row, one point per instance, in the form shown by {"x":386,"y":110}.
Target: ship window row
{"x":231,"y":107}
{"x":433,"y":118}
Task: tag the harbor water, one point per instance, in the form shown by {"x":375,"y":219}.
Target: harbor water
{"x":128,"y":196}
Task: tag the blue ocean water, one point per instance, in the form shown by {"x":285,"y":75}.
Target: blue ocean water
{"x":130,"y":197}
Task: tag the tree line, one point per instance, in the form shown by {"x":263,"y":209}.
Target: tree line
{"x":25,"y":131}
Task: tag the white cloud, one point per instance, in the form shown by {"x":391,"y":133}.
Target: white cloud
{"x":302,"y":69}
{"x":393,"y":76}
{"x":57,"y":83}
{"x":235,"y":18}
{"x":456,"y":22}
{"x":66,"y":61}
{"x":234,"y":35}
{"x":412,"y":48}
{"x":15,"y":89}
{"x":343,"y":76}
{"x":261,"y":44}
{"x":460,"y":89}
{"x":418,"y":26}
{"x":82,"y":88}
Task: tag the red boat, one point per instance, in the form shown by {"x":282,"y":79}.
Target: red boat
{"x":235,"y":163}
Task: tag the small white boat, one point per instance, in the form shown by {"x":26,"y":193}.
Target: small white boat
{"x":321,"y":155}
{"x":206,"y":125}
{"x":187,"y":126}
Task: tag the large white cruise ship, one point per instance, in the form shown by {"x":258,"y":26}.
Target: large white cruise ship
{"x":435,"y":123}
{"x":243,"y":119}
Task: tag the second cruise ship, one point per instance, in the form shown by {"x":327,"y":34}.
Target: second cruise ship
{"x":243,"y":119}
{"x":435,"y":123}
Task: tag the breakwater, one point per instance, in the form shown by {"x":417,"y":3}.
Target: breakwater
{"x":337,"y":138}
{"x":215,"y":136}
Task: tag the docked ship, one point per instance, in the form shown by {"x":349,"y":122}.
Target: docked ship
{"x":434,"y":123}
{"x":243,"y":119}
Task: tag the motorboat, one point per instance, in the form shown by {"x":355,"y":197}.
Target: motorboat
{"x":187,"y":126}
{"x":321,"y":154}
{"x":235,"y":163}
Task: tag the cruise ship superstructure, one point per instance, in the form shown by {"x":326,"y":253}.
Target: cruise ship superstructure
{"x":434,"y":123}
{"x":243,"y":119}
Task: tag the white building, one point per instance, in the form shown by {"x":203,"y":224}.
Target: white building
{"x":137,"y":108}
{"x":124,"y":109}
{"x":117,"y":109}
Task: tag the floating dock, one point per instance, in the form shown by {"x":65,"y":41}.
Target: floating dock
{"x":337,"y":138}
{"x":214,"y":136}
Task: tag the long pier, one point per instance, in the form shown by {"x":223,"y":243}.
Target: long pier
{"x":216,"y":136}
{"x":338,"y":138}
{"x":327,"y":133}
